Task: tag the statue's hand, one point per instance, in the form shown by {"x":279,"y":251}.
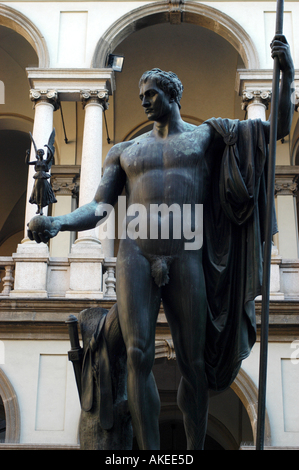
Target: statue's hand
{"x":281,"y":49}
{"x":42,"y":228}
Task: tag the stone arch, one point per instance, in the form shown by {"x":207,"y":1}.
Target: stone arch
{"x":243,"y":387}
{"x":16,"y":122}
{"x":246,"y":390}
{"x":191,"y":12}
{"x":15,"y":20}
{"x":11,"y":407}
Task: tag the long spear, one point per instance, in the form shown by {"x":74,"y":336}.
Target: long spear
{"x":268,"y":241}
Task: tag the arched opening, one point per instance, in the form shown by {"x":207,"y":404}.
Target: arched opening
{"x":13,"y":190}
{"x":16,"y":120}
{"x":19,"y":23}
{"x":9,"y":411}
{"x":2,"y":421}
{"x":190,"y":12}
{"x":232,"y":414}
{"x":172,"y":437}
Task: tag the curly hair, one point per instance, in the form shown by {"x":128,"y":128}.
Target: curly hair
{"x":167,"y":81}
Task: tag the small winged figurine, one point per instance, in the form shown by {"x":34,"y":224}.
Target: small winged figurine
{"x":42,"y":193}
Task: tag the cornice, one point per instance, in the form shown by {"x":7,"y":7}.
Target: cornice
{"x":69,"y":83}
{"x":44,"y":319}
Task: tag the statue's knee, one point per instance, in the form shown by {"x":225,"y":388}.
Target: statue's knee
{"x":138,"y":359}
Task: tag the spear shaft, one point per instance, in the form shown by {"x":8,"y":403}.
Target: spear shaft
{"x":260,"y":438}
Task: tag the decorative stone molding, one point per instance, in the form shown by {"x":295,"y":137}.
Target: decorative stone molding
{"x":247,"y":81}
{"x":175,"y":11}
{"x":246,"y":390}
{"x":95,"y":96}
{"x":66,"y":180}
{"x":255,"y":97}
{"x":165,"y":349}
{"x":66,"y":186}
{"x":110,"y":281}
{"x":69,"y":83}
{"x":286,"y":185}
{"x":12,"y":411}
{"x":48,"y":96}
{"x":8,"y":279}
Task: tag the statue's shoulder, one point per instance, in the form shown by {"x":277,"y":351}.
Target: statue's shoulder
{"x":141,"y":137}
{"x":118,"y":149}
{"x":204,"y":130}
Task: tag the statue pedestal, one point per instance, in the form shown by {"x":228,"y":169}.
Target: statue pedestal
{"x":275,"y":290}
{"x":86,"y":259}
{"x":31,"y":266}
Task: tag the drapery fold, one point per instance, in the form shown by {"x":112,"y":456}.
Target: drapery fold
{"x":234,"y":227}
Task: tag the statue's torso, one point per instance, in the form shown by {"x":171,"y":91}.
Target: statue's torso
{"x":167,"y":171}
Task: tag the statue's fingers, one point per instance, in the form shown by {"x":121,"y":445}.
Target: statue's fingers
{"x":281,"y":38}
{"x":36,"y":237}
{"x":44,"y":236}
{"x":279,"y":50}
{"x":47,"y":235}
{"x":29,"y":234}
{"x":278,"y":46}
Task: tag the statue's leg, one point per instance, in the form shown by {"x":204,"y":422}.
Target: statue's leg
{"x":138,"y":300}
{"x":185,"y":305}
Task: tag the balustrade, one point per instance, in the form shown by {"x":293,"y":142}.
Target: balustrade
{"x":7,"y":265}
{"x":284,"y":277}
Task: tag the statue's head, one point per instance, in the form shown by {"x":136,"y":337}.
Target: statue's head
{"x":167,"y":81}
{"x":40,"y":154}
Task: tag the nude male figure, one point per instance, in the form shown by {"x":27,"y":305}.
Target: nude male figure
{"x":171,"y":165}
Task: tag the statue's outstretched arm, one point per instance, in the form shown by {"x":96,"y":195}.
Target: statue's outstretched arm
{"x":41,"y":229}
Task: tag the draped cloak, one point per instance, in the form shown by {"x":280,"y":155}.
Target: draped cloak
{"x":234,"y":228}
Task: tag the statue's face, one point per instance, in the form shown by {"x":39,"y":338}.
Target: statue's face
{"x":156,"y":102}
{"x":40,"y":153}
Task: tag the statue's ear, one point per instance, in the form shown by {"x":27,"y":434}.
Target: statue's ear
{"x":172,"y":96}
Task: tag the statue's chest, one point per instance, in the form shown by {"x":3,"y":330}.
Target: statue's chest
{"x":177,"y":152}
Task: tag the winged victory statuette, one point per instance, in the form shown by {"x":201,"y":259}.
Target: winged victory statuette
{"x":42,"y":193}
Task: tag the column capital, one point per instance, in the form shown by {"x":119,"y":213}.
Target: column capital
{"x":255,"y":97}
{"x":95,"y":96}
{"x":65,"y":180}
{"x":286,"y":185}
{"x":66,"y":186}
{"x":47,"y":96}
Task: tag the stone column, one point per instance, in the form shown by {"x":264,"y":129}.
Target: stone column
{"x":285,"y":189}
{"x":91,"y":163}
{"x":256,"y":102}
{"x":86,"y":255}
{"x":31,"y":259}
{"x":45,"y":103}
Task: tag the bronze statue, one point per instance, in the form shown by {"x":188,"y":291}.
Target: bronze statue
{"x":207,"y":293}
{"x":42,"y":193}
